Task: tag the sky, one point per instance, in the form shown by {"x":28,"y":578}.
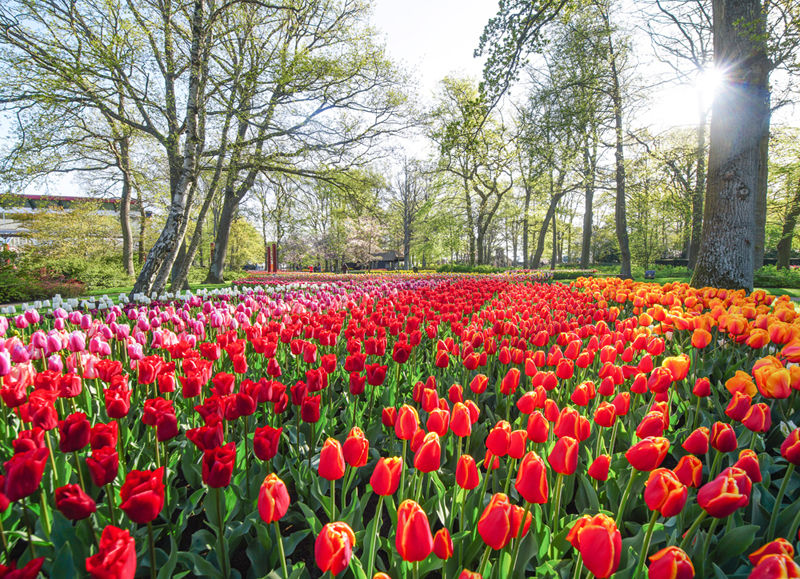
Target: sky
{"x":435,"y":38}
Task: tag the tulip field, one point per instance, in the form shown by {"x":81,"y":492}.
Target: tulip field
{"x":389,"y":425}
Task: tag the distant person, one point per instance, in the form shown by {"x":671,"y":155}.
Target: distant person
{"x":344,"y":268}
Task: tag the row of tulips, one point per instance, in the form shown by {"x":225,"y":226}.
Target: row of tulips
{"x":373,"y":426}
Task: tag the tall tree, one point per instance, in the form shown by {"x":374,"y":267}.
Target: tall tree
{"x":681,"y":32}
{"x":740,"y":112}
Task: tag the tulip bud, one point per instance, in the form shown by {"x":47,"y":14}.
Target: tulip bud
{"x":273,"y":499}
{"x":413,"y":539}
{"x":334,"y":547}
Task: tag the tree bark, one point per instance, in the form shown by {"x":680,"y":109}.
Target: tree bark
{"x":526,"y":227}
{"x":699,"y":187}
{"x":165,"y":248}
{"x":551,"y":209}
{"x":125,"y":206}
{"x":787,"y":232}
{"x":760,"y":214}
{"x":589,"y":161}
{"x":739,"y":114}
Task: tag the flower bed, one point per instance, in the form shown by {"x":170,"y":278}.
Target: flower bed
{"x":401,"y":425}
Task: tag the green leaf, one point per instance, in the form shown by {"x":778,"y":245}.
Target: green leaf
{"x":735,"y":542}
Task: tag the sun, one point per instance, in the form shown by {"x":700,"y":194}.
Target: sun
{"x":708,"y":83}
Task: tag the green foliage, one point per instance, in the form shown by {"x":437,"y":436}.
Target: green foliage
{"x":771,"y":276}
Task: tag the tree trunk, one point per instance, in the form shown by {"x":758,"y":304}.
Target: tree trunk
{"x":554,"y":253}
{"x":760,"y":214}
{"x":229,"y":205}
{"x":470,"y":223}
{"x":699,"y":187}
{"x":738,"y":119}
{"x":125,"y":206}
{"x":164,"y":250}
{"x":551,"y":209}
{"x":787,"y":233}
{"x":142,"y":226}
{"x":588,"y":206}
{"x":525,"y":227}
{"x":180,"y":280}
{"x":620,"y":215}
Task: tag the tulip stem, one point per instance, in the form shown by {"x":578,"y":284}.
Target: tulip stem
{"x":578,"y":568}
{"x":625,"y":496}
{"x":52,"y":458}
{"x":714,"y":466}
{"x":706,"y":545}
{"x":557,"y":510}
{"x":773,"y":520}
{"x":152,"y":549}
{"x":646,"y":544}
{"x":223,"y":555}
{"x":484,"y":560}
{"x":45,"y":514}
{"x":80,"y":471}
{"x":508,"y":476}
{"x":696,"y":414}
{"x":279,"y":540}
{"x":373,"y":546}
{"x":613,"y":436}
{"x":333,"y":500}
{"x":312,"y":443}
{"x":518,"y":540}
{"x":110,"y":501}
{"x":4,"y":540}
{"x":403,"y":472}
{"x":28,"y":526}
{"x":687,"y":537}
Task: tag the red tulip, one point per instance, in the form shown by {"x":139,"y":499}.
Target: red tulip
{"x":356,"y":448}
{"x":116,"y":557}
{"x":599,"y":543}
{"x":331,"y":460}
{"x":723,"y":437}
{"x":790,"y":448}
{"x":531,"y":482}
{"x":758,"y":418}
{"x":748,"y":462}
{"x":103,"y":465}
{"x":499,"y":438}
{"x":73,"y":503}
{"x":501,"y":522}
{"x":103,"y":435}
{"x":74,"y":432}
{"x":273,"y":499}
{"x":510,"y":382}
{"x":428,"y":456}
{"x":265,"y":442}
{"x":599,"y":468}
{"x":689,"y":471}
{"x":697,"y":441}
{"x":142,"y":495}
{"x":386,"y":477}
{"x":407,"y":422}
{"x":24,"y":473}
{"x":218,"y":465}
{"x":670,"y":563}
{"x":467,"y":476}
{"x":778,"y":565}
{"x":648,"y":454}
{"x":334,"y":547}
{"x":779,"y":546}
{"x":443,"y":544}
{"x":413,"y":539}
{"x":665,"y":493}
{"x":726,"y":493}
{"x":564,"y":456}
